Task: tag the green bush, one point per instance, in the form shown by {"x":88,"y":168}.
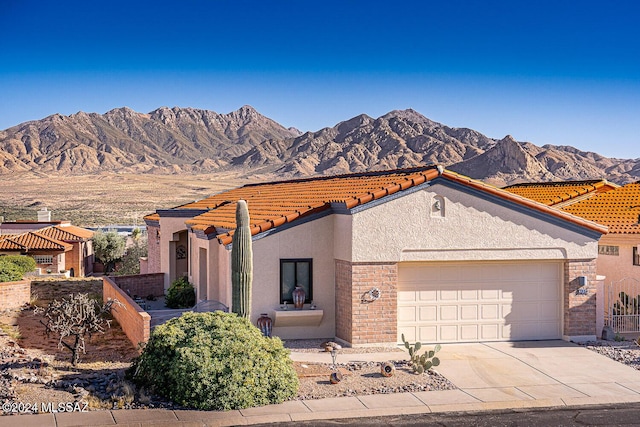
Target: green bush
{"x":24,"y":263}
{"x":215,"y":361}
{"x":180,"y":294}
{"x":9,"y":272}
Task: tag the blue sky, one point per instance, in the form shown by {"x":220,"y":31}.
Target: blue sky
{"x":548,"y":72}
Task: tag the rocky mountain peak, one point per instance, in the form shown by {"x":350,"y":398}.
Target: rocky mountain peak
{"x":177,"y":140}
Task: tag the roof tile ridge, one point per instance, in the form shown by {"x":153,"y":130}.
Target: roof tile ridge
{"x":10,"y":239}
{"x":52,"y":240}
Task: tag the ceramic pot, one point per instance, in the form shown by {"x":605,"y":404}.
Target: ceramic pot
{"x":335,"y":377}
{"x":387,"y":369}
{"x":265,"y":324}
{"x":299,"y":296}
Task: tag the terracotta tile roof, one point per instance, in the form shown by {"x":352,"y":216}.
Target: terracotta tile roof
{"x":67,"y":233}
{"x":276,"y":203}
{"x":619,"y":209}
{"x":32,"y":241}
{"x":561,"y":193}
{"x":152,"y":217}
{"x":7,"y":244}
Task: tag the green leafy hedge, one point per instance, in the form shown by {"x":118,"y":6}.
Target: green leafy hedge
{"x":180,"y":294}
{"x":13,"y":267}
{"x":215,"y":361}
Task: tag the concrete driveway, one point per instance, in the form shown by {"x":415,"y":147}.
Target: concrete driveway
{"x":537,"y":370}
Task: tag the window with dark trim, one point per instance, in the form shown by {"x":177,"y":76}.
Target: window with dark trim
{"x":296,"y":272}
{"x":636,"y":256}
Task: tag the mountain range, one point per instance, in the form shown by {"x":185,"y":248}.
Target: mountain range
{"x":189,"y":140}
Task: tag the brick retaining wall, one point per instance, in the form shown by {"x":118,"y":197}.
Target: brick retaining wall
{"x":134,"y":321}
{"x":14,"y":294}
{"x":141,"y":285}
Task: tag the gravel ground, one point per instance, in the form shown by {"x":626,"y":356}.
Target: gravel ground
{"x":26,"y":375}
{"x":316,"y":346}
{"x":627,"y":352}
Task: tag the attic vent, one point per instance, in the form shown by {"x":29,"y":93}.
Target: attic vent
{"x":437,"y":207}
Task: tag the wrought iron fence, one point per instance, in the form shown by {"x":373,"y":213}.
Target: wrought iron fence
{"x":622,"y":305}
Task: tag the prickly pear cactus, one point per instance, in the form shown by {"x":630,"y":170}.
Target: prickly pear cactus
{"x":241,"y":263}
{"x":421,"y":364}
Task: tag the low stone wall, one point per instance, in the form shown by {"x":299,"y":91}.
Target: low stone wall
{"x":141,"y":285}
{"x":14,"y":294}
{"x":134,"y":321}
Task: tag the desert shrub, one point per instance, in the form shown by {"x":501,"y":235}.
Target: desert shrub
{"x":9,"y":272}
{"x":180,"y":294}
{"x":215,"y":361}
{"x":24,"y":263}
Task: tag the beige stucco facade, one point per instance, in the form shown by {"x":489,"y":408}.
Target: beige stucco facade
{"x":465,"y":228}
{"x":355,"y":250}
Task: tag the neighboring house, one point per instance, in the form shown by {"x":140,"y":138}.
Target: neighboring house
{"x":608,"y":204}
{"x":48,"y":253}
{"x":67,"y":247}
{"x":564,"y":193}
{"x":423,"y":252}
{"x":79,"y":261}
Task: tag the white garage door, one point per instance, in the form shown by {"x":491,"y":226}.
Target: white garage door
{"x":484,"y":301}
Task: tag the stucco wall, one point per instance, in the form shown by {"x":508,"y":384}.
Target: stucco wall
{"x":471,"y":228}
{"x":169,"y":227}
{"x":311,"y":240}
{"x":216,"y":266}
{"x":619,"y":267}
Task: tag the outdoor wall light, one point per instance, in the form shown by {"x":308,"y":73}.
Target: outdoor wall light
{"x":582,"y":286}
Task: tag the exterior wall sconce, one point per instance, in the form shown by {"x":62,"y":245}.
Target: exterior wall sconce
{"x":436,"y":205}
{"x":371,"y":296}
{"x":582,"y":286}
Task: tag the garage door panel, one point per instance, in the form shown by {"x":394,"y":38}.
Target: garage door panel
{"x":490,"y":312}
{"x":449,"y":333}
{"x":427,"y":295}
{"x":469,"y":332}
{"x":408,"y":314}
{"x":428,"y":313}
{"x":448,"y":312}
{"x":524,"y":311}
{"x":490,"y":332}
{"x":449,"y":295}
{"x":469,"y":312}
{"x":480,"y":301}
{"x":490,"y":294}
{"x":407,"y":296}
{"x":471,"y":295}
{"x":428,"y":334}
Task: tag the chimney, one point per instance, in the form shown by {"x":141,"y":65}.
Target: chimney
{"x":44,"y":215}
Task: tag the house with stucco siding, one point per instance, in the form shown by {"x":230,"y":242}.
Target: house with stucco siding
{"x":423,"y":252}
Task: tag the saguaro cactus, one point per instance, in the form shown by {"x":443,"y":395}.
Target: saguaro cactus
{"x":241,"y":263}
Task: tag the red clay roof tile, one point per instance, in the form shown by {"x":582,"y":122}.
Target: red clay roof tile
{"x":554,"y":193}
{"x":619,"y":209}
{"x":276,"y":203}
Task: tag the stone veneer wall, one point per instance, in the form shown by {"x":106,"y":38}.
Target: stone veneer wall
{"x":366,"y":323}
{"x":14,"y":294}
{"x":579,"y":310}
{"x":134,"y":321}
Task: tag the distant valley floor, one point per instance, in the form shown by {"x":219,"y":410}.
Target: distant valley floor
{"x":107,"y":198}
